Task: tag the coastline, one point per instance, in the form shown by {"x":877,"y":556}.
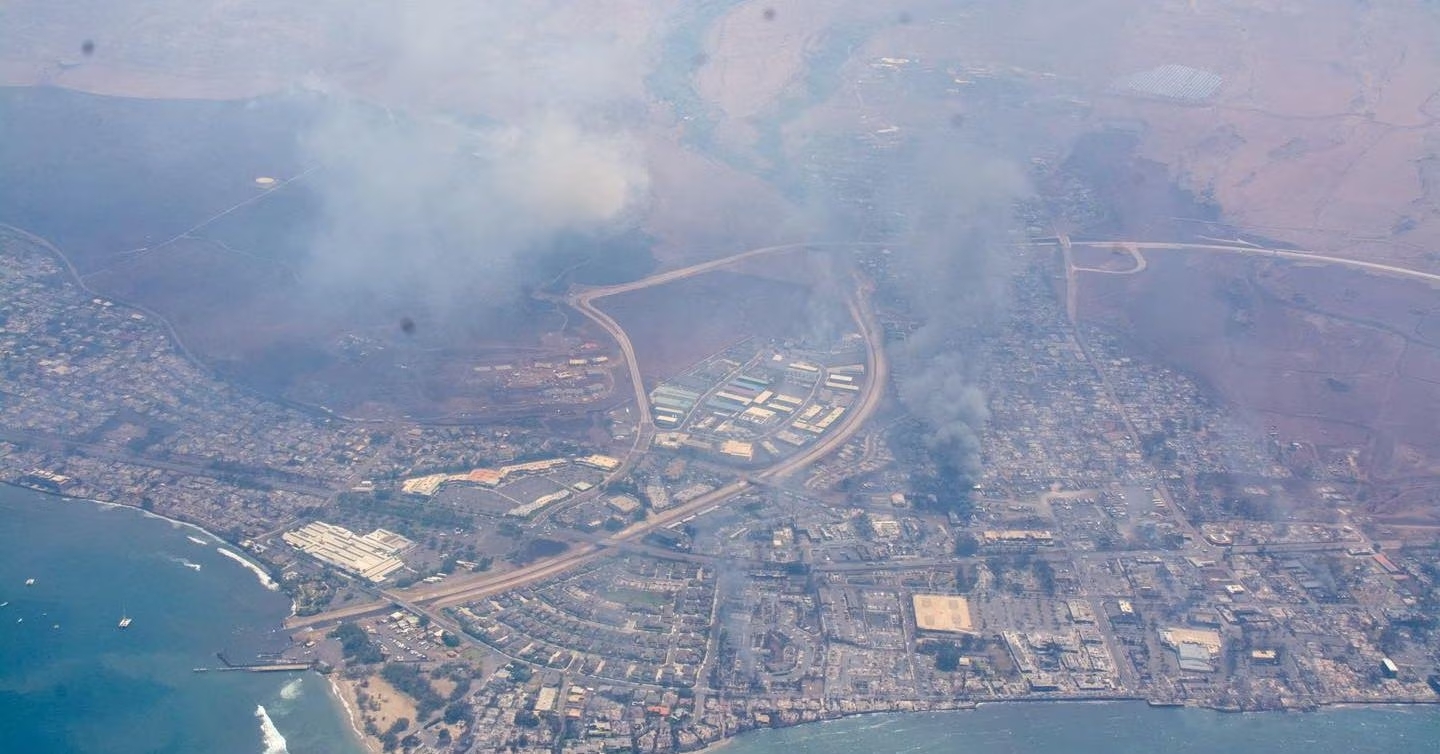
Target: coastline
{"x":260,"y":573}
{"x":223,"y":546}
{"x":343,"y":692}
{"x":1114,"y":729}
{"x":142,"y":677}
{"x":834,"y":715}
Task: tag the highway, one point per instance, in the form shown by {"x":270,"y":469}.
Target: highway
{"x":863,"y":408}
{"x":645,"y":427}
{"x":461,"y":589}
{"x":583,"y":301}
{"x":458,"y":590}
{"x":714,"y":264}
{"x":1298,"y":255}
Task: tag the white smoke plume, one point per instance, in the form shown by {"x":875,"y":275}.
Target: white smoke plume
{"x":432,"y":211}
{"x":446,"y":208}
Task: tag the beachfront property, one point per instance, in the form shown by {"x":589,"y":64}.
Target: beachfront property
{"x":1195,"y":649}
{"x":373,"y":556}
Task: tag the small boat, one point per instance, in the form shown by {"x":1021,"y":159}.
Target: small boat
{"x":125,"y":621}
{"x":29,"y":582}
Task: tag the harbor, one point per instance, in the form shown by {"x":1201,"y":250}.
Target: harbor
{"x":94,"y":565}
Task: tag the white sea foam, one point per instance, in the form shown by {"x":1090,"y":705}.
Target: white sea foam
{"x":174,"y":522}
{"x":274,"y":742}
{"x":291,"y":690}
{"x":184,"y":562}
{"x":259,"y":572}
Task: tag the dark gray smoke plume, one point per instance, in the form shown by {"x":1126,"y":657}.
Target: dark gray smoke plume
{"x":953,"y":268}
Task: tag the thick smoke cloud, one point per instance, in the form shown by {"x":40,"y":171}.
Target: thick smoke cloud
{"x":434,"y":212}
{"x":953,"y":268}
{"x":446,"y":209}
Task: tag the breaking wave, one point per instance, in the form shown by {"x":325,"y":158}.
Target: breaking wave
{"x":185,"y":563}
{"x":274,"y":742}
{"x":259,"y":572}
{"x":291,"y":690}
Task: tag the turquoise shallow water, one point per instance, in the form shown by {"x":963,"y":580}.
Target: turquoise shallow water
{"x":71,"y":681}
{"x":1110,"y":728}
{"x":86,"y":686}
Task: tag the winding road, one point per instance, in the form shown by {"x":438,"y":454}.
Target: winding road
{"x":462,"y":589}
{"x":1298,"y":255}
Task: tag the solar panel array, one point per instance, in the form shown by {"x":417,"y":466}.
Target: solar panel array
{"x":1177,"y":82}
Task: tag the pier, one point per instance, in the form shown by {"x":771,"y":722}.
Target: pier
{"x":274,"y":667}
{"x":256,"y":667}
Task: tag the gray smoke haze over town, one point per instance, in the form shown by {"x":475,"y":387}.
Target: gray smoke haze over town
{"x":449,"y":204}
{"x":947,"y":205}
{"x":449,"y":207}
{"x":445,"y":214}
{"x":955,"y":262}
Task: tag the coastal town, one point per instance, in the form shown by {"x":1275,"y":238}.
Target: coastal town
{"x":765,"y":540}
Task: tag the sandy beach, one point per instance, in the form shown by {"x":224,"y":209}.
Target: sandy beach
{"x":344,"y":692}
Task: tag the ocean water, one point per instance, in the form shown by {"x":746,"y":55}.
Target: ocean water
{"x":1109,"y":728}
{"x":72,"y":681}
